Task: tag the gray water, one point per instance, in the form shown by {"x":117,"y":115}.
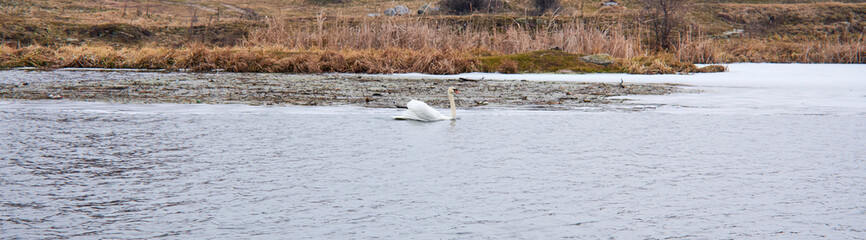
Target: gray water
{"x":88,"y":170}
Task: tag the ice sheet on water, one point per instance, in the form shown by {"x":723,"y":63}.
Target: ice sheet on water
{"x":751,"y":87}
{"x":843,"y":76}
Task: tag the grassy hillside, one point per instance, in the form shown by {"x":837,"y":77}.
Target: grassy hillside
{"x":713,"y":32}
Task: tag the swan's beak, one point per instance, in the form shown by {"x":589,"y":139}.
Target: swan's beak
{"x":455,"y":91}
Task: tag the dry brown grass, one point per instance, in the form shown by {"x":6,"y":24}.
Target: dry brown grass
{"x":841,"y":47}
{"x":199,"y":57}
{"x":803,"y":52}
{"x":29,"y":56}
{"x":418,"y":33}
{"x":696,"y":48}
{"x":345,"y":42}
{"x":179,"y":12}
{"x":139,"y":12}
{"x":791,"y":13}
{"x":831,"y":50}
{"x":665,"y":64}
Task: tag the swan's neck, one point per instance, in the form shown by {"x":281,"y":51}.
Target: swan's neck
{"x":453,"y":108}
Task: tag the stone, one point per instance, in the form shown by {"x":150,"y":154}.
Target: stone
{"x":603,"y":59}
{"x":390,"y":12}
{"x":426,"y":8}
{"x":401,"y":10}
{"x":733,"y":33}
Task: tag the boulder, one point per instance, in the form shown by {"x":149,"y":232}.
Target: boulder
{"x":603,"y":59}
{"x":426,"y":8}
{"x":390,"y":12}
{"x":401,"y":10}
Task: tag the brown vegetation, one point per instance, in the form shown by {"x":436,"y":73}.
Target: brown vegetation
{"x":281,"y":60}
{"x":543,"y":6}
{"x":471,"y":6}
{"x":844,"y":47}
{"x":251,"y":37}
{"x":663,"y":17}
{"x":572,"y":36}
{"x":239,"y":59}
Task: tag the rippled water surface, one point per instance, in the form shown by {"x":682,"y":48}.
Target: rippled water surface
{"x":148,"y":171}
{"x":93,"y":170}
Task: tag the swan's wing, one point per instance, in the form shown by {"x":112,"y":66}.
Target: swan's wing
{"x":424,"y":111}
{"x":418,"y":110}
{"x":408,"y":115}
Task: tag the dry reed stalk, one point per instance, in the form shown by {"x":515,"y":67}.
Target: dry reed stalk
{"x":814,"y":51}
{"x":696,"y":49}
{"x":420,"y":34}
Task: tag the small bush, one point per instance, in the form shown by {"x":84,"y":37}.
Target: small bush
{"x":542,"y":6}
{"x":663,"y":17}
{"x":469,"y":6}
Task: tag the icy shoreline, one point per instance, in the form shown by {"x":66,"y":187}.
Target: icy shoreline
{"x":751,"y":87}
{"x":312,"y":90}
{"x":738,"y":75}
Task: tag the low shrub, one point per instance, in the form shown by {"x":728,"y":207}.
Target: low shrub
{"x":542,"y":6}
{"x":463,"y":7}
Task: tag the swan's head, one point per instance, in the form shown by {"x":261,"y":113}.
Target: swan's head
{"x":453,"y":90}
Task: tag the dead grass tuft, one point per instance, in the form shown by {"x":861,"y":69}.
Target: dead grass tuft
{"x":30,"y":56}
{"x":665,"y":64}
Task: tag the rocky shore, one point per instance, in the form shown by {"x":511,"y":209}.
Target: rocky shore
{"x":313,"y":90}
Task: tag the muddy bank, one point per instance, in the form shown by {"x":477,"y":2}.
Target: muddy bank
{"x":314,"y":90}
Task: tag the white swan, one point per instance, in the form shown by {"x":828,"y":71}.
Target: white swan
{"x":420,"y":111}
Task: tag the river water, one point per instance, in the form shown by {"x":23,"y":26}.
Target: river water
{"x":729,"y":162}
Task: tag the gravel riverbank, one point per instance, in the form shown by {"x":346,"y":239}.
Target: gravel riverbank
{"x":313,"y":90}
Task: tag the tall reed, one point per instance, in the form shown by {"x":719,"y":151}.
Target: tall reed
{"x":828,"y":49}
{"x":421,"y":33}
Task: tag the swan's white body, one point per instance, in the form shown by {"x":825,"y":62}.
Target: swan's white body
{"x":420,"y":111}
